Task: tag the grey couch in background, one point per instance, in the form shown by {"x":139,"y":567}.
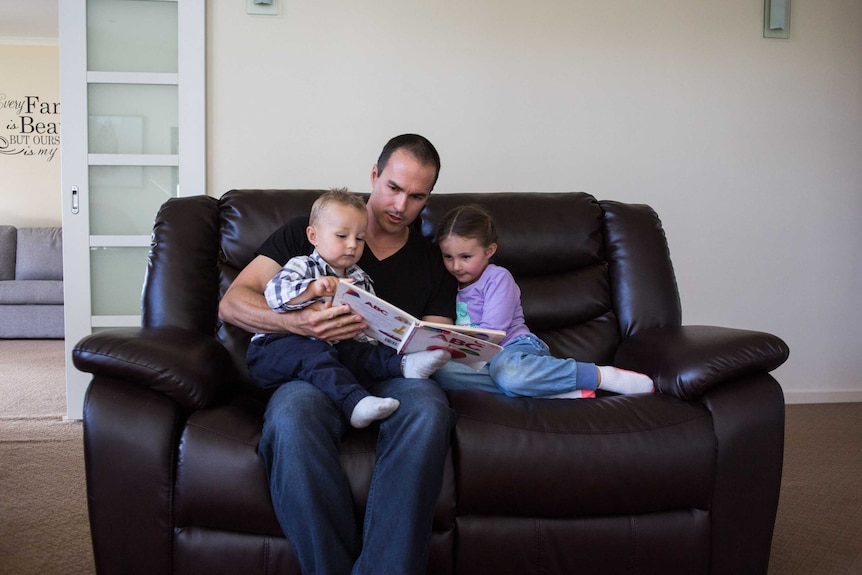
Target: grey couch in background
{"x":31,"y":283}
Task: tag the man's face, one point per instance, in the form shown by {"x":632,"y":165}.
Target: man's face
{"x":400,"y":191}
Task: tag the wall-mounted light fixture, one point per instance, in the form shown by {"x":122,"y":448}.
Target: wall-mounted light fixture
{"x":264,"y":7}
{"x":776,"y":18}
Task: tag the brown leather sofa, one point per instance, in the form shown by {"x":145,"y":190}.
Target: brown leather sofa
{"x":682,"y":481}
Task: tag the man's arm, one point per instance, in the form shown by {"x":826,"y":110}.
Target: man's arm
{"x":243,"y":305}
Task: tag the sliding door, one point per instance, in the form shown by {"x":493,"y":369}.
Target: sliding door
{"x":133,"y":121}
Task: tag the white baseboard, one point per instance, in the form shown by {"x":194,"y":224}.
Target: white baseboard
{"x":791,"y":397}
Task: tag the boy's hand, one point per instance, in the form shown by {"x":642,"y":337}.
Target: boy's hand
{"x":324,"y":286}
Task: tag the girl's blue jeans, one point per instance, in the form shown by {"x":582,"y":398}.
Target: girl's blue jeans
{"x":525,"y":368}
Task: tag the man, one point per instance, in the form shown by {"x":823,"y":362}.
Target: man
{"x":302,"y":428}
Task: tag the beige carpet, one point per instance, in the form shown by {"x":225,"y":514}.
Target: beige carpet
{"x":43,"y":519}
{"x":819,"y":525}
{"x":44,"y":528}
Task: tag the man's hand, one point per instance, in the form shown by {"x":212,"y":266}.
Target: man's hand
{"x":323,"y":321}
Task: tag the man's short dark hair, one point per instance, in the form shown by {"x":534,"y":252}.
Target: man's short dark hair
{"x":417,"y":146}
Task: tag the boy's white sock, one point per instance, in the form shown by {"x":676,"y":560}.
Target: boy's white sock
{"x":371,"y":408}
{"x":422,"y":364}
{"x":623,"y":381}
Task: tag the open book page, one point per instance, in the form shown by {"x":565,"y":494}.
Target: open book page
{"x":386,"y":323}
{"x":463,"y":347}
{"x":398,"y":329}
{"x":492,"y":335}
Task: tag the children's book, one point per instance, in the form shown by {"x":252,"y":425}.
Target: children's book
{"x":398,"y":329}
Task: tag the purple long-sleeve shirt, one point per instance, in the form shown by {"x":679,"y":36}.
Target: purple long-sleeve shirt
{"x":492,"y":302}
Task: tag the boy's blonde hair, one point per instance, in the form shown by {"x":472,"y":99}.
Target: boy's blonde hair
{"x":341,"y":196}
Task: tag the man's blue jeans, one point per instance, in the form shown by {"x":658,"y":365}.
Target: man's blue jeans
{"x":310,"y":493}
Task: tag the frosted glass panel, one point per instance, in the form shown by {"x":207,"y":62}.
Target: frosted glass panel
{"x":131,"y":36}
{"x":117,"y":276}
{"x":132,"y":119}
{"x":124,"y":199}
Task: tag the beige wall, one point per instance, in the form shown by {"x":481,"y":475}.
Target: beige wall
{"x":749,"y":149}
{"x":29,"y":184}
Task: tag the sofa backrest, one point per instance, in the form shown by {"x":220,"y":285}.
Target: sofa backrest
{"x":31,"y":253}
{"x":40,"y":254}
{"x":553,"y":245}
{"x":8,"y":245}
{"x":590,"y":273}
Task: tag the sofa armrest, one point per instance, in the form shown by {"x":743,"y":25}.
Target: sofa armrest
{"x":687,"y":361}
{"x":191,"y":368}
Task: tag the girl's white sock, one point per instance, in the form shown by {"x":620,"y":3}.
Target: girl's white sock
{"x":574,"y":394}
{"x":371,"y":408}
{"x":422,"y":364}
{"x":623,"y":381}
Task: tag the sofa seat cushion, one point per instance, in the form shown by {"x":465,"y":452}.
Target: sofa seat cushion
{"x":548,"y":458}
{"x":26,"y":292}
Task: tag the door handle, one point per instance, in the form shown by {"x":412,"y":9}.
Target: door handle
{"x":74,"y":199}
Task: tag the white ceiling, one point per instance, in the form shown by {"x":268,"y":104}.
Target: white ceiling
{"x":28,"y":19}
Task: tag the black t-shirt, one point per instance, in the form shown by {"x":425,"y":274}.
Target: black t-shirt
{"x":413,"y":278}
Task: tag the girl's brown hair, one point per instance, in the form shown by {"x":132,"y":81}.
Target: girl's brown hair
{"x":470,"y":221}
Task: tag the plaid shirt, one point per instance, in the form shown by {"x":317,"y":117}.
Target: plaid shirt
{"x":298,"y":273}
{"x":292,"y":279}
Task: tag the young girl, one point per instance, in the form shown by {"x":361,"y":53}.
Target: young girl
{"x":488,"y":297}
